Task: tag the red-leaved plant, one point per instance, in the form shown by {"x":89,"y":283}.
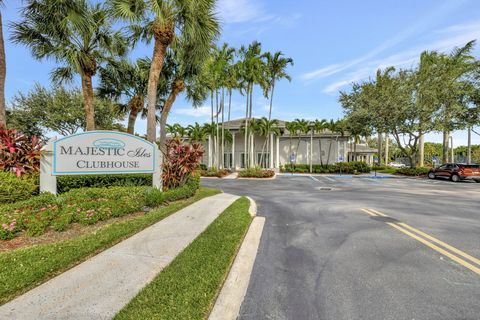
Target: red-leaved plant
{"x":180,"y":161}
{"x":18,"y":152}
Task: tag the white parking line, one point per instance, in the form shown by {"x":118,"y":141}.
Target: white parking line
{"x":315,"y":179}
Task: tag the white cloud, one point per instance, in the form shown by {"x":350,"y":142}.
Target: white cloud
{"x":235,"y":11}
{"x":201,"y":112}
{"x":451,"y":37}
{"x":422,"y":24}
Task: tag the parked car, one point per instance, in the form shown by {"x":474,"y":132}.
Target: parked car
{"x":456,"y":172}
{"x":396,"y":165}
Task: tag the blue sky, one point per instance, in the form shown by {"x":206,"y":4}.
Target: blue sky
{"x":333,"y":44}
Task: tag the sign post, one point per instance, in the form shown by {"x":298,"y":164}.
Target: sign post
{"x":98,"y":152}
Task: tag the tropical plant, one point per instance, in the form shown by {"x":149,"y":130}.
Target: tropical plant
{"x":18,"y":153}
{"x":76,"y":34}
{"x":180,"y":162}
{"x":319,"y":127}
{"x":193,"y":20}
{"x":197,"y":133}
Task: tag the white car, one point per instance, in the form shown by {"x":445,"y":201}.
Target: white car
{"x":396,"y":165}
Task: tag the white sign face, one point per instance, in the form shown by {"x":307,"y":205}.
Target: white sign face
{"x":103,"y":152}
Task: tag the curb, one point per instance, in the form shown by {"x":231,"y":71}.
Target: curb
{"x":253,"y":207}
{"x":228,"y":303}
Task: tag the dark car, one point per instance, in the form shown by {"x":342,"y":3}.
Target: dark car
{"x":456,"y":172}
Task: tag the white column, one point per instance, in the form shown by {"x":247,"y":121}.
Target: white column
{"x":387,"y":140}
{"x":271,"y":151}
{"x":210,"y":163}
{"x":278,"y":153}
{"x":48,"y":182}
{"x":234,"y":167}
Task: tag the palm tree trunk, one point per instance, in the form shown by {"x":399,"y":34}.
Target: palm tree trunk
{"x":222,"y":102}
{"x":178,"y":86}
{"x":3,"y":73}
{"x":245,"y":152}
{"x":320,"y":150}
{"x":329,"y":150}
{"x":217,"y":143}
{"x":87,"y":89}
{"x":380,"y":147}
{"x":445,"y":146}
{"x":159,"y":50}
{"x":136,"y":105}
{"x":270,"y":115}
{"x":421,"y":156}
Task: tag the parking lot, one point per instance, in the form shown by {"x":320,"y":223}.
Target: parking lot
{"x":343,"y":247}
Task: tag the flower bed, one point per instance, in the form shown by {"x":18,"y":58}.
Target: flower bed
{"x":256,"y":173}
{"x":213,"y":172}
{"x":85,"y":206}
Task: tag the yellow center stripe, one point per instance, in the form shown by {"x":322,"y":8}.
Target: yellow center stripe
{"x":402,"y":227}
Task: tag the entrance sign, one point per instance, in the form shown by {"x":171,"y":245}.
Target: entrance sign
{"x":98,"y":152}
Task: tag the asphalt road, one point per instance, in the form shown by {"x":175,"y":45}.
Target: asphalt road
{"x":322,"y":257}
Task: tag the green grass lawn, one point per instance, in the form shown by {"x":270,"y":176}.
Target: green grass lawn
{"x":187,"y":288}
{"x":25,"y":268}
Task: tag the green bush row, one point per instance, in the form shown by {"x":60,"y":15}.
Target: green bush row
{"x":214,"y":172}
{"x":341,"y":167}
{"x":85,"y":206}
{"x":421,"y":171}
{"x":67,"y":183}
{"x":256,"y":173}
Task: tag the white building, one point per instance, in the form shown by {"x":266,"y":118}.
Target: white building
{"x":316,"y":148}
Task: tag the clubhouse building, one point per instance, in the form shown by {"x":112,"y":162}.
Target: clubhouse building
{"x":276,"y":150}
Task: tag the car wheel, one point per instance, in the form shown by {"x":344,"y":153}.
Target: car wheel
{"x":455,"y":178}
{"x":431,"y":175}
{"x":477,"y":180}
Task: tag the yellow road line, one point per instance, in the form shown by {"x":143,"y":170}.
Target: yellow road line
{"x":402,"y":227}
{"x":445,"y":245}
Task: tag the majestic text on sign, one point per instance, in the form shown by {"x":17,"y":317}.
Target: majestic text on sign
{"x":98,"y":152}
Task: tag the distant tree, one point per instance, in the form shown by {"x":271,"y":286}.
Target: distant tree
{"x":61,"y":111}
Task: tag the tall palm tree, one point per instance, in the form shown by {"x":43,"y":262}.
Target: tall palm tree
{"x":3,"y":73}
{"x":125,"y":79}
{"x":252,"y":70}
{"x":319,"y":127}
{"x":76,"y":34}
{"x":276,"y":66}
{"x":163,"y":21}
{"x":292,"y":129}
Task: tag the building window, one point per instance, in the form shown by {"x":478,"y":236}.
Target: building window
{"x":227,"y":160}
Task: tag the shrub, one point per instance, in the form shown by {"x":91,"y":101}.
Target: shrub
{"x":256,"y":173}
{"x":19,"y":153}
{"x":67,"y":183}
{"x":85,"y":206}
{"x":341,"y":167}
{"x":413,"y":171}
{"x":214,"y":172}
{"x":180,"y":161}
{"x":13,"y":188}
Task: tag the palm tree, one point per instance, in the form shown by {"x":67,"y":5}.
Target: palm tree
{"x":197,"y":133}
{"x":319,"y":127}
{"x":123,"y":78}
{"x":332,"y":126}
{"x":276,"y":65}
{"x":163,"y":21}
{"x":252,"y":71}
{"x":303,"y":127}
{"x":3,"y":73}
{"x":76,"y":34}
{"x":292,"y":129}
{"x":268,"y":127}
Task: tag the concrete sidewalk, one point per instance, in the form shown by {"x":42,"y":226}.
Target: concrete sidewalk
{"x":101,"y":286}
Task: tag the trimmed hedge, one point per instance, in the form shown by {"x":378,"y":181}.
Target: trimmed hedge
{"x":256,"y":173}
{"x":67,"y":183}
{"x":13,"y":188}
{"x":213,"y":172}
{"x":420,"y":171}
{"x":85,"y":206}
{"x":343,"y":167}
